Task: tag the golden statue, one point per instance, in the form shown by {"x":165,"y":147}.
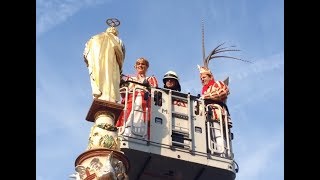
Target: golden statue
{"x":104,"y":55}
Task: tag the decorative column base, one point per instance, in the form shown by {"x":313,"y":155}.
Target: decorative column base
{"x":102,"y":164}
{"x":103,"y":159}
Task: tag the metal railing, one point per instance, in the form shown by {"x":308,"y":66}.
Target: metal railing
{"x":218,"y":130}
{"x":129,"y":122}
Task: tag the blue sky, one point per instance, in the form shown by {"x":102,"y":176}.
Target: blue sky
{"x":168,"y":34}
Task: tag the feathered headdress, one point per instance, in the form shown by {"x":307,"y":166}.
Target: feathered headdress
{"x":215,"y":54}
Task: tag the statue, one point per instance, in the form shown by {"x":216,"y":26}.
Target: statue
{"x":104,"y":55}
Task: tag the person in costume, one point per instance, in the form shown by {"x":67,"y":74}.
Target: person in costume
{"x":137,"y":92}
{"x":215,"y":91}
{"x":212,"y":91}
{"x":215,"y":94}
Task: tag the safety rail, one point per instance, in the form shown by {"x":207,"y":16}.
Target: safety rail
{"x":190,"y":121}
{"x":217,"y":129}
{"x":181,"y":127}
{"x":180,"y":133}
{"x":124,"y":90}
{"x":169,"y":104}
{"x":141,"y":130}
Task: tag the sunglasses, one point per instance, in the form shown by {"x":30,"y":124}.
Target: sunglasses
{"x":170,"y":79}
{"x":140,"y":63}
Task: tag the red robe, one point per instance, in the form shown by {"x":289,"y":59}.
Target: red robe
{"x":145,"y":103}
{"x":215,"y":90}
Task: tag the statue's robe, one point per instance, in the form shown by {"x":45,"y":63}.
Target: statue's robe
{"x":104,"y":55}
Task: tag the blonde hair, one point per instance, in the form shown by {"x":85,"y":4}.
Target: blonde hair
{"x":144,"y":60}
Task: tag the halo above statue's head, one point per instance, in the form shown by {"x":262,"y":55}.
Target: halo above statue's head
{"x":113,"y":23}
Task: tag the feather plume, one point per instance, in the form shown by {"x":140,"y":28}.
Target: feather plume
{"x":219,"y":49}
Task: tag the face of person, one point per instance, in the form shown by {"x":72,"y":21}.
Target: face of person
{"x":141,"y":66}
{"x":205,"y":78}
{"x":170,"y":83}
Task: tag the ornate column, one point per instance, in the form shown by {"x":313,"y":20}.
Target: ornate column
{"x":103,"y":159}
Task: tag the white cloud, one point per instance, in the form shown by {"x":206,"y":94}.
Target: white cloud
{"x":60,"y":104}
{"x":54,"y":12}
